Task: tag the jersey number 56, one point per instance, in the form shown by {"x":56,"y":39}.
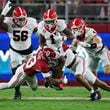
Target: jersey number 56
{"x":20,"y":35}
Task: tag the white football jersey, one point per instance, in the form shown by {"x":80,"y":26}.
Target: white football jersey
{"x":20,"y":37}
{"x":53,"y":39}
{"x":89,"y":34}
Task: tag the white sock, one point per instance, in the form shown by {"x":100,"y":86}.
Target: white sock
{"x":92,"y":91}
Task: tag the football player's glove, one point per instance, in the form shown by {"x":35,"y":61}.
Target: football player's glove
{"x":6,"y":9}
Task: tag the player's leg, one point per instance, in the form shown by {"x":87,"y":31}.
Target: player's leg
{"x":105,"y":58}
{"x":15,"y":60}
{"x":93,"y":65}
{"x":91,"y":78}
{"x":95,"y":81}
{"x":102,"y":85}
{"x":11,"y":84}
{"x":16,"y":80}
{"x":32,"y":82}
{"x":80,"y":63}
{"x":79,"y":68}
{"x":3,"y":86}
{"x":17,"y":88}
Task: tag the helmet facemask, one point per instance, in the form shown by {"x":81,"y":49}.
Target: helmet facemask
{"x":50,"y":23}
{"x":19,"y":16}
{"x":50,"y":19}
{"x":20,"y":20}
{"x":78,"y":31}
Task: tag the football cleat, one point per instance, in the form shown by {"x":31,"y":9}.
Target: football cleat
{"x":17,"y":96}
{"x":99,"y":95}
{"x":95,"y":96}
{"x":58,"y":87}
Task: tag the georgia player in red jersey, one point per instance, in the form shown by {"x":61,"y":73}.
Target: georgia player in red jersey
{"x":20,"y":28}
{"x":44,"y":60}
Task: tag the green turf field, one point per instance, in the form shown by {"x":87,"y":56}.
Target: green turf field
{"x":71,"y":98}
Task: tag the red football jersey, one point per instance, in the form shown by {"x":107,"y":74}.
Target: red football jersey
{"x":40,"y":62}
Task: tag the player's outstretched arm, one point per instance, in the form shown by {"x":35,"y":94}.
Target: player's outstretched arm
{"x":6,"y":9}
{"x":4,"y":12}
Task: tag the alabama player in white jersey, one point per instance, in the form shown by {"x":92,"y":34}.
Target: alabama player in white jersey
{"x":87,"y":37}
{"x":20,"y":28}
{"x":50,"y":31}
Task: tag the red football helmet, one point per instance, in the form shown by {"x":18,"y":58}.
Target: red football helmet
{"x":19,"y":16}
{"x":50,"y":19}
{"x":51,"y":55}
{"x":78,"y":26}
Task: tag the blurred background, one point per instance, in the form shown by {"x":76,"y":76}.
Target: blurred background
{"x":95,"y":12}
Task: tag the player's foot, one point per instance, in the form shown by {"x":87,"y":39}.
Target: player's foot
{"x":95,"y":96}
{"x":46,"y":84}
{"x":59,"y":87}
{"x":99,"y":95}
{"x":17,"y":96}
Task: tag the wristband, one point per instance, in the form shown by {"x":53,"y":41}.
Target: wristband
{"x":93,"y":45}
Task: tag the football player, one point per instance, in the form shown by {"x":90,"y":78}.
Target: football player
{"x":79,"y":66}
{"x":43,"y":61}
{"x":89,"y":39}
{"x":52,"y":32}
{"x":20,"y":28}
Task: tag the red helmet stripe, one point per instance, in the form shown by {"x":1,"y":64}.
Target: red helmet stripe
{"x":19,"y":11}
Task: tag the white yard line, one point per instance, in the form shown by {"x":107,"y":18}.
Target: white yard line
{"x":60,"y":98}
{"x":57,"y":98}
